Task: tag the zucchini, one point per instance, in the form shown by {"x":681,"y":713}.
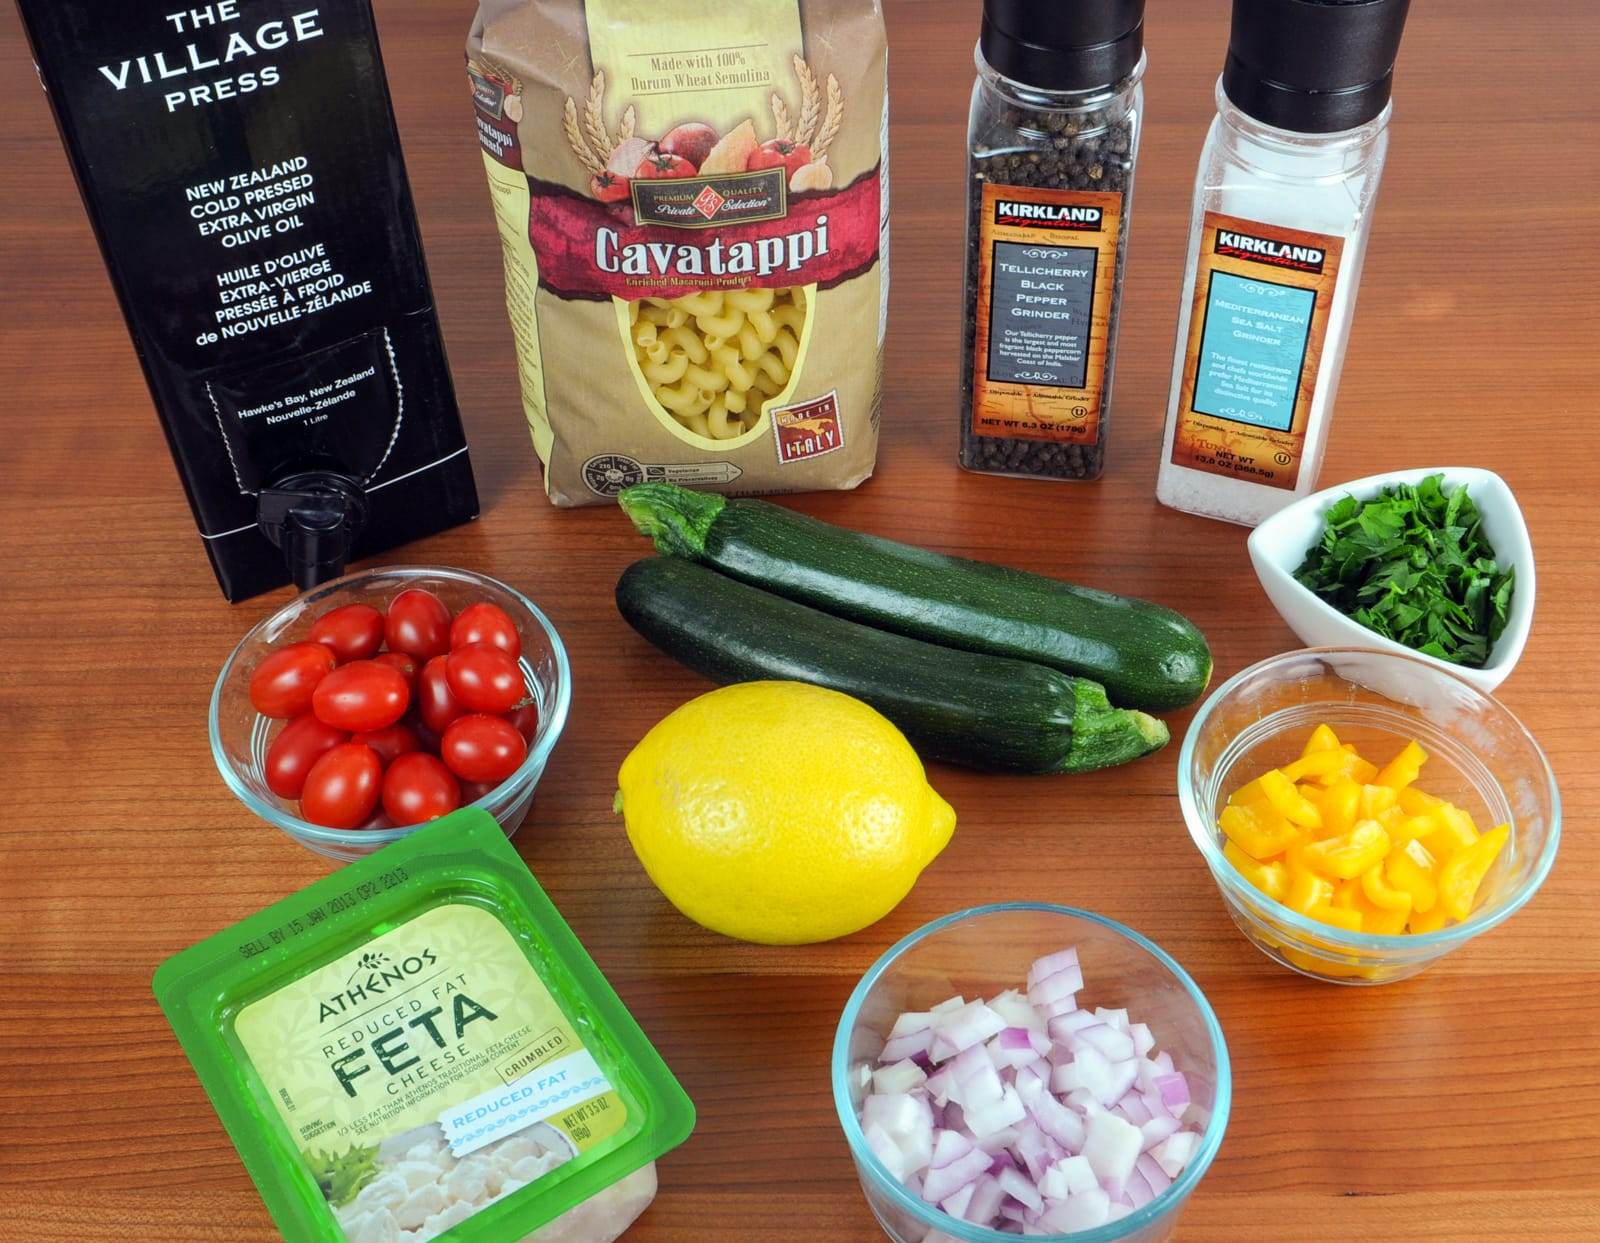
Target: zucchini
{"x":1146,"y":656}
{"x":985,"y":711}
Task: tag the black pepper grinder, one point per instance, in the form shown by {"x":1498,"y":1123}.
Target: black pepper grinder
{"x":1052,"y":139}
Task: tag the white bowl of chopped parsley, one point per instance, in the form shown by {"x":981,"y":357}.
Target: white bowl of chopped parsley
{"x":1436,"y":562}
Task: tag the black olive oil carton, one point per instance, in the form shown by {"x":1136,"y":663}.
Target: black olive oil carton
{"x":241,"y":167}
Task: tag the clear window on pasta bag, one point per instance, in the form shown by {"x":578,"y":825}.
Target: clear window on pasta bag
{"x":417,"y":1047}
{"x":710,"y":363}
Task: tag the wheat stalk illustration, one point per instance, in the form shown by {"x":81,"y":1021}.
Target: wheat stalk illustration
{"x":594,"y":120}
{"x":569,"y":126}
{"x":830,"y":122}
{"x":625,"y":126}
{"x":810,"y":103}
{"x":783,"y":124}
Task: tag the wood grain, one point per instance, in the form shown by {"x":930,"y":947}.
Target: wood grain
{"x":1464,"y":1105}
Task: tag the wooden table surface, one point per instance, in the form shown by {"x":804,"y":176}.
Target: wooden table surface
{"x":1462,"y":1105}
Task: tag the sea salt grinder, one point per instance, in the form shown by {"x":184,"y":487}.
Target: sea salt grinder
{"x":1282,"y":210}
{"x":1052,"y":138}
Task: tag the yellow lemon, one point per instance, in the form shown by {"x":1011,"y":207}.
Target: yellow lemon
{"x":780,"y":812}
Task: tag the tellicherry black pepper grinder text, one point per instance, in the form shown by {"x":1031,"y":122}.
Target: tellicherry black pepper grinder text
{"x":1052,"y":139}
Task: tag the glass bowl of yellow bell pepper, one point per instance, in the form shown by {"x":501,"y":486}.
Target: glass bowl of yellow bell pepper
{"x":1364,"y":812}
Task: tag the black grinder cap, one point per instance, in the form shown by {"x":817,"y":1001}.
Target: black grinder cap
{"x":1063,"y":45}
{"x":1313,"y":66}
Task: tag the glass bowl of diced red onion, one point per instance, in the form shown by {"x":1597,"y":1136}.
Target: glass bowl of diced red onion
{"x":1029,"y":1069}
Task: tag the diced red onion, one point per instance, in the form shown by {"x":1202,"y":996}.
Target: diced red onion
{"x":958,"y":1204}
{"x":1116,"y":1045}
{"x":949,"y":1146}
{"x":1063,"y":1026}
{"x":987,"y":1196}
{"x":1038,"y":1118}
{"x":1050,"y":964}
{"x":1153,"y":1173}
{"x":1138,"y":1191}
{"x":1020,"y":1188}
{"x":1157,"y":1129}
{"x":1133,"y":1109}
{"x":901,"y":1077}
{"x":911,"y":1021}
{"x":939,"y":1185}
{"x":1063,"y":983}
{"x":901,"y":1047}
{"x":1174,"y":1089}
{"x":1173,"y":1153}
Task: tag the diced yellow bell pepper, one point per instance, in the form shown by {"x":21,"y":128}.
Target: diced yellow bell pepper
{"x":1417,"y":802}
{"x":1316,"y":764}
{"x":1358,"y":769}
{"x":1338,"y":916}
{"x":1405,"y":768}
{"x":1464,"y":872}
{"x":1404,"y":829}
{"x":1384,"y":923}
{"x":1290,"y":803}
{"x":1339,"y":806}
{"x":1428,"y":921}
{"x":1381,"y":894}
{"x":1375,"y":800}
{"x":1258,"y":830}
{"x":1345,"y":895}
{"x":1307,"y":890}
{"x":1322,"y":739}
{"x":1249,"y":792}
{"x":1450,"y":829}
{"x":1411,"y":870}
{"x":1349,"y":854}
{"x":1271,"y":878}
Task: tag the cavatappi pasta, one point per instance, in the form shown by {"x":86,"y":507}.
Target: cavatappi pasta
{"x":713,"y":359}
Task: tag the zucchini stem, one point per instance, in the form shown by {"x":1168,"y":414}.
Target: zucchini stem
{"x":1103,"y":735}
{"x":676,"y":519}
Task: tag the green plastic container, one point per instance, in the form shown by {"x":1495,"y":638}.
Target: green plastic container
{"x":418,"y":1048}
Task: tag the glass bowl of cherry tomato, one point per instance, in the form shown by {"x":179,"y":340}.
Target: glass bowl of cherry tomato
{"x":382,"y":700}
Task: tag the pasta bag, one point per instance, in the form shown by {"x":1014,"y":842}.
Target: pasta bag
{"x":695,"y":239}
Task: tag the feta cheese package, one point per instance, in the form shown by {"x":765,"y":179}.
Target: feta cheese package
{"x":417,"y":1047}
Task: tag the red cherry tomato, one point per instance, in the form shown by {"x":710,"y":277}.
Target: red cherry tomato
{"x":526,"y":719}
{"x":484,"y":678}
{"x":427,"y":739}
{"x":486,"y":623}
{"x":342,"y":787}
{"x":480,"y":747}
{"x":418,"y":624}
{"x":472,"y":791}
{"x":417,"y":787}
{"x":300,"y":744}
{"x":283,"y":682}
{"x":409,"y":666}
{"x":362,"y":695}
{"x":351,"y":632}
{"x":661,"y":164}
{"x":435,"y":702}
{"x":390,"y":742}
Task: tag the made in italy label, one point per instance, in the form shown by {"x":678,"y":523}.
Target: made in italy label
{"x":1046,"y":278}
{"x":1262,"y":297}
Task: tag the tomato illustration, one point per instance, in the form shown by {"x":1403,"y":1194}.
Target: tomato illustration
{"x":663,"y":164}
{"x":609,"y":187}
{"x":692,"y":140}
{"x":779,"y":153}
